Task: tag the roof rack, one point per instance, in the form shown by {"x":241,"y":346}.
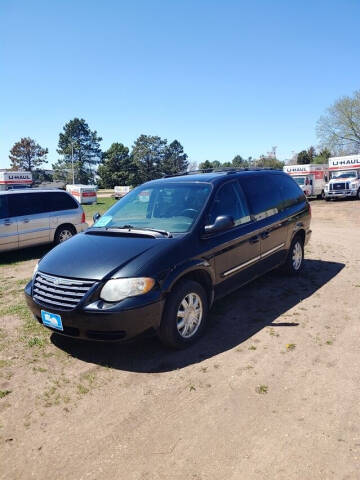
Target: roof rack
{"x":227,"y":170}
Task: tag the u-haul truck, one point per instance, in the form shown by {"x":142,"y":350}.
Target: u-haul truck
{"x":84,"y":194}
{"x":311,"y":178}
{"x":10,"y":180}
{"x":345,"y":177}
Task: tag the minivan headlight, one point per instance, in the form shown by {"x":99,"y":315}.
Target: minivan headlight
{"x":117,"y":289}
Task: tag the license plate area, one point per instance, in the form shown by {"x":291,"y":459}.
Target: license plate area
{"x":51,"y":320}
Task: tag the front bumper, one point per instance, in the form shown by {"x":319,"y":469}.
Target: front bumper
{"x":99,"y":324}
{"x":340,"y":193}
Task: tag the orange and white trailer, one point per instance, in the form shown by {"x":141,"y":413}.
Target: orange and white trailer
{"x":311,"y":178}
{"x":84,"y":194}
{"x":10,"y":180}
{"x":120,"y":191}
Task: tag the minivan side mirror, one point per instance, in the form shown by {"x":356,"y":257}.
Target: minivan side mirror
{"x":96,"y":216}
{"x":222,"y":223}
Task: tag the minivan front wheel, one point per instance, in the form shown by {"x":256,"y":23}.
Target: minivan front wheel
{"x":295,"y":260}
{"x":185,"y":314}
{"x":63,"y":234}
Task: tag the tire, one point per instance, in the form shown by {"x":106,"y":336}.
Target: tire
{"x":358,"y":195}
{"x":327,"y":199}
{"x":321,"y":195}
{"x":63,"y":233}
{"x":295,"y":259}
{"x":175,"y":332}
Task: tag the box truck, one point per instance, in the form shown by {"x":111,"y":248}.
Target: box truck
{"x":345,"y":177}
{"x":10,"y":180}
{"x":311,"y":177}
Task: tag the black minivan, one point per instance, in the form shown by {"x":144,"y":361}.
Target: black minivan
{"x":161,"y":255}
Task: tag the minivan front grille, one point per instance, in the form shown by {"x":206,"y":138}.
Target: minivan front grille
{"x":64,"y":293}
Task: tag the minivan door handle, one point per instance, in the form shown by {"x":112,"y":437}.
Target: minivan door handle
{"x":265,"y":235}
{"x":26,"y":220}
{"x":254,"y":239}
{"x":7,"y":222}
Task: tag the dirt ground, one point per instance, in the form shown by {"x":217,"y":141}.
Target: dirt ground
{"x":272,"y":391}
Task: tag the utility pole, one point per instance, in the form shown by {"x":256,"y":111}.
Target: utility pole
{"x":72,"y":163}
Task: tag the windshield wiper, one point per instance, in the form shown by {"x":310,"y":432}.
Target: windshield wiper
{"x":132,"y":227}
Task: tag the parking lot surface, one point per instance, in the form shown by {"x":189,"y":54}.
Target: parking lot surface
{"x":270,"y":392}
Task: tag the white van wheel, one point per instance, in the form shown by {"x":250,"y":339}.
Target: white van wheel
{"x":63,"y":234}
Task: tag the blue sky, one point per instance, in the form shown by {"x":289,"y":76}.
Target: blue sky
{"x":222,"y":77}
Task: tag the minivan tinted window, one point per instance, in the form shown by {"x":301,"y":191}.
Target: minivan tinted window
{"x":230,"y":200}
{"x":60,"y":201}
{"x":263,"y":195}
{"x":4,"y":213}
{"x":39,"y":202}
{"x":290,"y":190}
{"x":26,"y":204}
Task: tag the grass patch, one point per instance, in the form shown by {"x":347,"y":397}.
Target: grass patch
{"x":35,"y":342}
{"x":19,"y":309}
{"x":4,"y":393}
{"x":82,"y":389}
{"x":290,"y":347}
{"x":329,"y":342}
{"x":262,"y":389}
{"x":252,"y":347}
{"x":101,"y":206}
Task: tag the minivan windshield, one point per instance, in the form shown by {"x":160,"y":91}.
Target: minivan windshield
{"x":172,"y":207}
{"x":345,"y":174}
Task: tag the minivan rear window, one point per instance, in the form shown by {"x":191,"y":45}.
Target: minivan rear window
{"x":60,"y":201}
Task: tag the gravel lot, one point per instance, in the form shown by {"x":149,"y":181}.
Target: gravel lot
{"x":271,"y":392}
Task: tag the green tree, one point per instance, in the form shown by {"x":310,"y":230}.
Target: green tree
{"x":174,"y":160}
{"x":322,"y":156}
{"x":305,"y":156}
{"x":116,"y":167}
{"x":239,"y":162}
{"x":339,"y":128}
{"x":269,"y":162}
{"x":207,"y":165}
{"x":148,"y":154}
{"x":83,"y":144}
{"x":27,"y":155}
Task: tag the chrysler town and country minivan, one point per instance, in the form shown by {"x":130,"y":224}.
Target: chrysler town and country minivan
{"x":30,"y":217}
{"x":159,"y":257}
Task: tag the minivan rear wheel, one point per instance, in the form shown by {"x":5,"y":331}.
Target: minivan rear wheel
{"x":295,"y":259}
{"x":184,"y":316}
{"x":64,"y":233}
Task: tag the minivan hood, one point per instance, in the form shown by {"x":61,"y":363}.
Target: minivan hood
{"x":93,"y":256}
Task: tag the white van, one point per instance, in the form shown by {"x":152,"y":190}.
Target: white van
{"x":31,"y":217}
{"x":311,"y":178}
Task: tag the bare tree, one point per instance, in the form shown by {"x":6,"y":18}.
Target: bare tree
{"x":339,"y":128}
